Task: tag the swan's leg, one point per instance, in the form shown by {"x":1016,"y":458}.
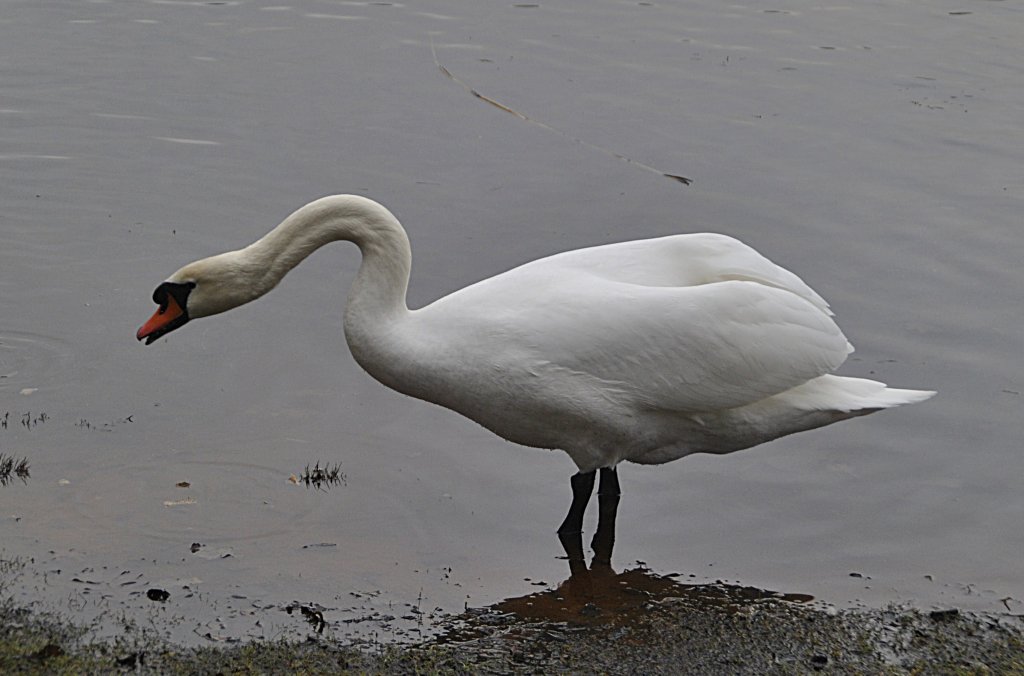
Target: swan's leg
{"x":608,"y":507}
{"x":582,"y":487}
{"x":609,"y":482}
{"x":572,"y":543}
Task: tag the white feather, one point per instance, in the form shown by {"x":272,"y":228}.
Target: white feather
{"x":644,"y":351}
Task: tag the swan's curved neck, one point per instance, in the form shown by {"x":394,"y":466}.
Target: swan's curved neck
{"x":380,"y":288}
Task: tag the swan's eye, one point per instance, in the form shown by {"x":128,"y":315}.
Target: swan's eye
{"x":178,"y":290}
{"x":160,"y":297}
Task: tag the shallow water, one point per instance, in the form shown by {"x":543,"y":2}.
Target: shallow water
{"x":875,"y":151}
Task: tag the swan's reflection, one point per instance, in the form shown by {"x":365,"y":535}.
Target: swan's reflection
{"x":597,"y":595}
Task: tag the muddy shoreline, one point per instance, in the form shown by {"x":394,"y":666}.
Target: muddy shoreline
{"x":641,"y":622}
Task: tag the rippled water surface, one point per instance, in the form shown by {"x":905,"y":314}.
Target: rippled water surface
{"x":875,"y":150}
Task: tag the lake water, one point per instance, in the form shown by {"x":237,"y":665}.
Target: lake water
{"x":876,"y":150}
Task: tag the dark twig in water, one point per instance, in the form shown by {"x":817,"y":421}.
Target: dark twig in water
{"x":526,"y":118}
{"x":11,"y":468}
{"x":320,"y":477}
{"x":104,"y":427}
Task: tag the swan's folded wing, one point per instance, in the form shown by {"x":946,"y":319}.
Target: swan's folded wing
{"x":678,"y":260}
{"x":700,"y":348}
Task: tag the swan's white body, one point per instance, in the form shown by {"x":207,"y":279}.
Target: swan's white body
{"x":644,"y":351}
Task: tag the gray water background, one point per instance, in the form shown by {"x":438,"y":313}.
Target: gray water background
{"x":876,"y":149}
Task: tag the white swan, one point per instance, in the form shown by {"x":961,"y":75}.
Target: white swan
{"x":644,"y":351}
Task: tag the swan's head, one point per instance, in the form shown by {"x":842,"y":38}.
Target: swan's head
{"x":206,"y":287}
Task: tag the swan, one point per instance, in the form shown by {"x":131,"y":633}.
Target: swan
{"x":643,"y":351}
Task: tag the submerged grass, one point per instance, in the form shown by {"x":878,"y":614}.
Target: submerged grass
{"x":11,"y":468}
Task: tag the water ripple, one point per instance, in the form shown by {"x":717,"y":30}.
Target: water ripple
{"x":30,"y":360}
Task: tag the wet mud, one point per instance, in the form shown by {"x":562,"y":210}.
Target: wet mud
{"x":632,"y":622}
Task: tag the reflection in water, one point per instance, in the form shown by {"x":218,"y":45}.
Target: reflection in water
{"x":601,"y":597}
{"x":597,"y":595}
{"x":28,"y":361}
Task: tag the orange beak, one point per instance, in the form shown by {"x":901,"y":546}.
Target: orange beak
{"x":162,"y":321}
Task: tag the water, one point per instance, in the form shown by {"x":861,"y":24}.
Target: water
{"x":875,"y":151}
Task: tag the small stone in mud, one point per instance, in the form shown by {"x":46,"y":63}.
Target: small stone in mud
{"x":48,"y":651}
{"x":155,"y":594}
{"x":196,"y":546}
{"x":131,"y":660}
{"x":943,"y":615}
{"x":311,"y":614}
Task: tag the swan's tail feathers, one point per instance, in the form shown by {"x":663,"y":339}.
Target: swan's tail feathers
{"x":891,"y":397}
{"x":851,"y":395}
